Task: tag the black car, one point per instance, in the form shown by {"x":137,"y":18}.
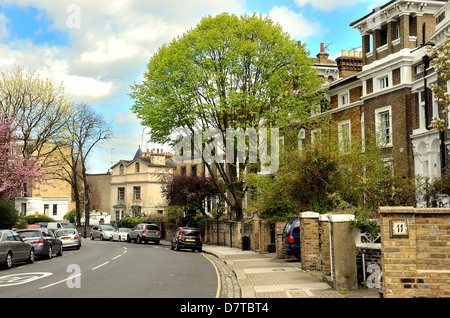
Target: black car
{"x":187,"y":237}
{"x":291,"y":238}
{"x":45,"y":243}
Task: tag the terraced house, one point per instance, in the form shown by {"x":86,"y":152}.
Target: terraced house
{"x":384,"y":89}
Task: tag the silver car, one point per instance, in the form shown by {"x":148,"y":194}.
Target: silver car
{"x":69,"y":238}
{"x":145,"y":232}
{"x":103,"y":232}
{"x":13,"y":249}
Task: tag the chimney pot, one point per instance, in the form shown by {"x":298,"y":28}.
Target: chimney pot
{"x":322,"y":49}
{"x":344,"y":53}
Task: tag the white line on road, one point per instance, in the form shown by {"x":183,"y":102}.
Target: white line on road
{"x":94,"y":268}
{"x":117,"y":256}
{"x":61,"y":281}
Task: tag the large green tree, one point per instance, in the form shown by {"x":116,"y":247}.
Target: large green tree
{"x":229,"y":72}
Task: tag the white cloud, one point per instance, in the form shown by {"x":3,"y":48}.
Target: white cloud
{"x":295,"y":23}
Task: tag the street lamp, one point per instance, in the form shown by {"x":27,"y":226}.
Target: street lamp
{"x":185,"y":193}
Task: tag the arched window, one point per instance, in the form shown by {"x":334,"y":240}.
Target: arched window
{"x":138,"y":167}
{"x":121,"y":169}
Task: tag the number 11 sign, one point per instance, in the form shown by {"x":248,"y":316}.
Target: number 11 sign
{"x":399,"y":228}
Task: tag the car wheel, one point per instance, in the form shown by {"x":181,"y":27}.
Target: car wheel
{"x":177,"y":247}
{"x":101,"y":237}
{"x":138,"y":240}
{"x":199,"y":250}
{"x":157,"y":242}
{"x":50,"y":252}
{"x":92,"y":237}
{"x":128,"y":239}
{"x":8,"y":261}
{"x":171,"y":246}
{"x":60,"y":253}
{"x":30,"y":259}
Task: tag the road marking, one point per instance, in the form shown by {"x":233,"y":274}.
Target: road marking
{"x":17,"y":279}
{"x":94,"y":268}
{"x":61,"y":281}
{"x":117,"y":256}
{"x":218,"y":276}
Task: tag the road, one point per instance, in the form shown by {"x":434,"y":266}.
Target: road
{"x":103,"y":269}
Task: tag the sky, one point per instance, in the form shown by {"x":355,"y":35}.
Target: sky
{"x":97,"y":49}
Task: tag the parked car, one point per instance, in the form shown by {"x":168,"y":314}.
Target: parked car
{"x":187,"y":237}
{"x":69,"y":238}
{"x":44,"y":241}
{"x":13,"y":249}
{"x":60,"y":225}
{"x":120,"y":234}
{"x":103,"y":232}
{"x":144,"y":232}
{"x":380,"y":285}
{"x":291,"y":238}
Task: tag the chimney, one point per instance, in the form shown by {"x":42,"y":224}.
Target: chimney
{"x":322,"y":57}
{"x":349,"y":64}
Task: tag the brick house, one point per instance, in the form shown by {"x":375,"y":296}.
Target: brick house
{"x":381,"y":89}
{"x":394,"y":40}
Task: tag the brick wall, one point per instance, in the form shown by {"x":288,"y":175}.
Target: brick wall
{"x":417,"y":265}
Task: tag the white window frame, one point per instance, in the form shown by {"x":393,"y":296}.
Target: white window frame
{"x":344,"y":99}
{"x":381,"y":136}
{"x":383,"y":82}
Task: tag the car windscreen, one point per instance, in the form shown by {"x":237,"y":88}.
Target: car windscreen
{"x":65,"y":232}
{"x":191,"y":232}
{"x":69,"y":225}
{"x":108,"y":228}
{"x":26,"y":234}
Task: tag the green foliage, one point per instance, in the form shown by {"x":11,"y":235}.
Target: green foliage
{"x":70,"y":216}
{"x":132,"y":221}
{"x":322,"y":177}
{"x":31,"y":219}
{"x":228,"y":72}
{"x":8,"y":214}
{"x":363,"y":222}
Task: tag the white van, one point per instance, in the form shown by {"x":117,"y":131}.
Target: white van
{"x":60,"y":225}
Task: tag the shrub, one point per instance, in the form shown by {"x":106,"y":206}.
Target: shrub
{"x":8,"y":214}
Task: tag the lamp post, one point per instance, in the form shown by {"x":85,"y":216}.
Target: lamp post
{"x":185,"y":193}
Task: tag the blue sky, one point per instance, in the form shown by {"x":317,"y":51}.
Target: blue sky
{"x":97,"y":49}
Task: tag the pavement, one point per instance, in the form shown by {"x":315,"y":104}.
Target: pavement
{"x":249,"y":274}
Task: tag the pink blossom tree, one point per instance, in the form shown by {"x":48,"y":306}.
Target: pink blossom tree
{"x":16,"y":168}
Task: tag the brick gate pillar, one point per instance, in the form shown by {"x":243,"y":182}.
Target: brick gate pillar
{"x":309,"y":240}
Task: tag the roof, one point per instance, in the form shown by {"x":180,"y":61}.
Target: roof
{"x":382,"y":7}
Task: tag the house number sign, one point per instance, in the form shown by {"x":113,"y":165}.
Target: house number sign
{"x":399,"y":228}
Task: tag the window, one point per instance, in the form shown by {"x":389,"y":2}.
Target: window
{"x":183,"y":170}
{"x":136,"y":193}
{"x":194,"y":170}
{"x":138,"y":167}
{"x":46,"y":209}
{"x":383,"y":123}
{"x":315,"y":135}
{"x":121,"y":194}
{"x":344,"y":135}
{"x":55,"y":209}
{"x":343,"y":99}
{"x":384,"y":82}
{"x":121,"y":169}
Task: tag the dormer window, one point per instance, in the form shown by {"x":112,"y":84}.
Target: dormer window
{"x":121,"y":169}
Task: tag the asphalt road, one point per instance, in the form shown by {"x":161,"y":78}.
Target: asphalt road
{"x":103,"y":269}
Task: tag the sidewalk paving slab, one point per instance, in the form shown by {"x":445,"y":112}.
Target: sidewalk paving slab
{"x":260,"y":275}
